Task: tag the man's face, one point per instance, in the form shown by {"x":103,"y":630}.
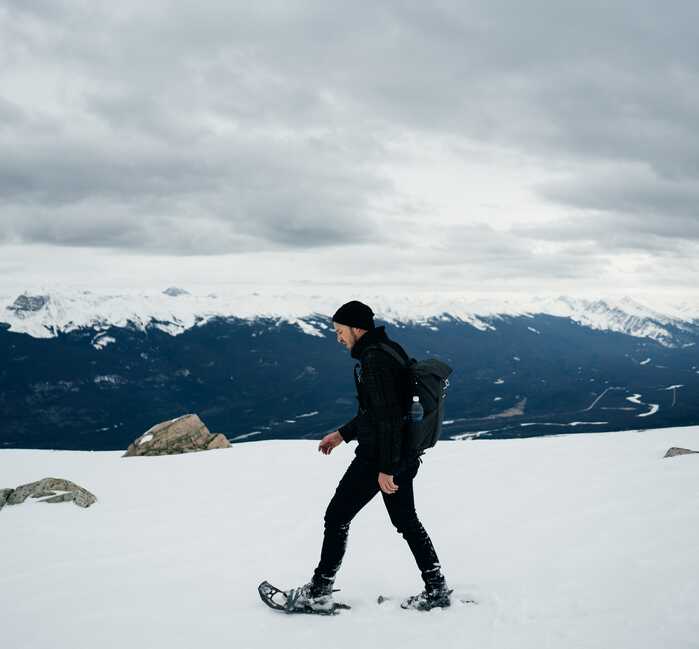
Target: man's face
{"x":347,"y":336}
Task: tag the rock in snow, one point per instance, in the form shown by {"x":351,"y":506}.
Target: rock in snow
{"x":27,"y":304}
{"x":173,"y":291}
{"x":184,"y":434}
{"x":47,"y":489}
{"x":4,"y":495}
{"x":676,"y":450}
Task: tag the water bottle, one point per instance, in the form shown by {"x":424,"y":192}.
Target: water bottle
{"x":416,"y":411}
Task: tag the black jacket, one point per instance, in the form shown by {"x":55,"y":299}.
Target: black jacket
{"x":383,"y":400}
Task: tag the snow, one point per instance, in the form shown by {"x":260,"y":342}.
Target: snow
{"x":654,"y":407}
{"x":114,"y":379}
{"x":70,"y":308}
{"x":313,"y":413}
{"x":100,"y":341}
{"x":572,"y":423}
{"x":145,"y":438}
{"x":577,"y":541}
{"x":479,"y":433}
{"x":246,"y":435}
{"x":307,"y":328}
{"x":588,"y":423}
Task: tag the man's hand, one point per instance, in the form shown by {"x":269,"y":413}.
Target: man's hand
{"x":329,"y":442}
{"x":386,"y":483}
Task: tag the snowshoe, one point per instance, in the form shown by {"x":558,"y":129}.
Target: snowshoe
{"x":304,"y":599}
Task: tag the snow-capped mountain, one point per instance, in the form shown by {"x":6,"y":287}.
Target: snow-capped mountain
{"x":81,"y":370}
{"x":47,"y":313}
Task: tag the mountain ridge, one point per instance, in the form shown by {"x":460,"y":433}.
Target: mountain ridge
{"x":47,"y":313}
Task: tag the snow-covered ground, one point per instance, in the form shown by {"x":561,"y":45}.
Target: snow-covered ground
{"x":580,"y":541}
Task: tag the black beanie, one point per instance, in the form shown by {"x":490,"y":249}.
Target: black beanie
{"x":355,"y":314}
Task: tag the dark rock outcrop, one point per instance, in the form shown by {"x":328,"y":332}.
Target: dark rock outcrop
{"x":28,"y":304}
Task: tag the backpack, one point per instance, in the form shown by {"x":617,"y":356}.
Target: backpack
{"x":428,"y":379}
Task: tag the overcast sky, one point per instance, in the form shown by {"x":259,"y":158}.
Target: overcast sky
{"x":481,"y":145}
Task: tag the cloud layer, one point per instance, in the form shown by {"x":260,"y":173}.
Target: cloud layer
{"x":224,"y":128}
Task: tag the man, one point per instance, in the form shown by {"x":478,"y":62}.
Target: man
{"x":379,"y":464}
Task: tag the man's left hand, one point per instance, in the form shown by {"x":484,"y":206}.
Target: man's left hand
{"x":386,"y":483}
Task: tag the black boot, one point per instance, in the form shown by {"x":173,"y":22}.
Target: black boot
{"x":435,"y":594}
{"x":322,"y":585}
{"x":316,"y":595}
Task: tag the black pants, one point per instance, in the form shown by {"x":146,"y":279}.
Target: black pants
{"x":357,"y":487}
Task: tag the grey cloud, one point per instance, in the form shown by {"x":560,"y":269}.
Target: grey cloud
{"x":96,"y":225}
{"x":161,"y":131}
{"x":625,"y":210}
{"x":608,"y":235}
{"x":270,"y":123}
{"x":675,"y":205}
{"x":10,"y":114}
{"x":67,"y":172}
{"x":261,"y":191}
{"x":486,"y":253}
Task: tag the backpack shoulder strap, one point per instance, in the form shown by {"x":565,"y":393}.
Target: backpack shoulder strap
{"x":389,"y":350}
